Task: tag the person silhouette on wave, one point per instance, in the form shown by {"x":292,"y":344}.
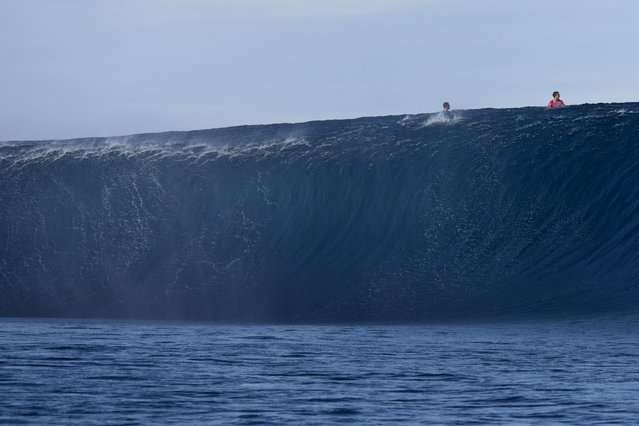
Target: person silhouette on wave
{"x":555,"y":102}
{"x":446,"y":114}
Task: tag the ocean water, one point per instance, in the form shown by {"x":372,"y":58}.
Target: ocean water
{"x":105,"y":372}
{"x":499,"y":212}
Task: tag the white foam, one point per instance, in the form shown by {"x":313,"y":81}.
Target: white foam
{"x":439,"y":119}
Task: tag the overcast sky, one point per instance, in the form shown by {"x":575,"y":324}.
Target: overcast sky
{"x":74,"y":68}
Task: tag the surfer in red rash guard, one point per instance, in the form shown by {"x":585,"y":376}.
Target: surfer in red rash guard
{"x":555,"y":102}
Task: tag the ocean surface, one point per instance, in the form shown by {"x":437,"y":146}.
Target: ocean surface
{"x":102,"y":372}
{"x":495,"y":213}
{"x":379,"y":270}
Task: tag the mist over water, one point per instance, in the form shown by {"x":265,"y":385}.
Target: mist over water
{"x":497,"y":213}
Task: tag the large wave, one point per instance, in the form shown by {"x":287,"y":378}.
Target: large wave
{"x":498,"y":212}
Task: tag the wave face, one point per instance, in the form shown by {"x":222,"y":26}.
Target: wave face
{"x":496,"y":213}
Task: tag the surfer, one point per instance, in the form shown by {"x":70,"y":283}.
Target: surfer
{"x":446,"y":114}
{"x":555,"y":102}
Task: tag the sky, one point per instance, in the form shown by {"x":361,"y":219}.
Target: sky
{"x":81,"y":68}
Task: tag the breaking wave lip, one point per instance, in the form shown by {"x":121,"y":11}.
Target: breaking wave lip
{"x":505,"y":212}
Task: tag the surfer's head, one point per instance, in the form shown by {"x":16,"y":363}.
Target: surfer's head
{"x":555,"y":95}
{"x":446,"y":106}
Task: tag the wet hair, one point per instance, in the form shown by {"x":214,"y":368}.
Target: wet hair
{"x":555,"y":93}
{"x":446,"y":105}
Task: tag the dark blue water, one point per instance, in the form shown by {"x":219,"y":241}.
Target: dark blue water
{"x":62,"y":372}
{"x":508,"y":222}
{"x":498,"y":213}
